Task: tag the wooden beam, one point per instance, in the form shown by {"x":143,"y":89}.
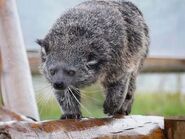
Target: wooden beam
{"x":13,"y":125}
{"x":175,"y":127}
{"x":151,"y":65}
{"x":16,"y":80}
{"x":128,"y":127}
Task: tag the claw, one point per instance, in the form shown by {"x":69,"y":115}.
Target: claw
{"x":71,"y":116}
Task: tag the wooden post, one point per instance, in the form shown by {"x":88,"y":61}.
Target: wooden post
{"x":16,"y":81}
{"x":1,"y":101}
{"x":174,"y":127}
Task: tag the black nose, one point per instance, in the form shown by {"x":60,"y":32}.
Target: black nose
{"x":59,"y":85}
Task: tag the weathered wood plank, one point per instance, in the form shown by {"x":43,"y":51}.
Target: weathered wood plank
{"x":108,"y":128}
{"x":128,"y":127}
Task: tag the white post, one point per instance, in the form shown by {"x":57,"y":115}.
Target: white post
{"x":16,"y":82}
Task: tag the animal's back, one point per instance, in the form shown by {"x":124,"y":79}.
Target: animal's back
{"x":121,"y":24}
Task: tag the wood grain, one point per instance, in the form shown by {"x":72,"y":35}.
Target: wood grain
{"x":120,"y":127}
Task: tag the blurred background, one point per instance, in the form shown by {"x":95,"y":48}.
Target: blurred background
{"x":158,"y":93}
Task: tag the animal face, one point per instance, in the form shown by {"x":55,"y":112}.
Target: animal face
{"x":72,"y":59}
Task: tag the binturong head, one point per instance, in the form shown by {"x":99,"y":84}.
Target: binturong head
{"x":72,"y":57}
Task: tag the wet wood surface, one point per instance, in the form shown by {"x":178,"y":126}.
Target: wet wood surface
{"x":15,"y":126}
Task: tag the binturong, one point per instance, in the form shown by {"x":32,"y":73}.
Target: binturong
{"x":105,"y":40}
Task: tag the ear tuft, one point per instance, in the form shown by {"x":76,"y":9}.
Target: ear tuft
{"x":44,"y":46}
{"x":39,"y":42}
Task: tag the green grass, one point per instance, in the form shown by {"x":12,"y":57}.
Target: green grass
{"x":92,"y":100}
{"x":164,"y":104}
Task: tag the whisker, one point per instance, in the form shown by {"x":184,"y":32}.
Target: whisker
{"x":79,"y":102}
{"x":84,"y":95}
{"x":43,"y":99}
{"x":43,"y":88}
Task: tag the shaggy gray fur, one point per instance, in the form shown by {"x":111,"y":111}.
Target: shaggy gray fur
{"x":98,"y":39}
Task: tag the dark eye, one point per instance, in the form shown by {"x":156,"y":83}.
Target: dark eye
{"x":52,"y":71}
{"x":91,"y":57}
{"x":70,"y":72}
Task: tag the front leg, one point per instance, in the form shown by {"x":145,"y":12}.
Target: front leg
{"x":116,"y":92}
{"x":69,"y":102}
{"x":127,"y":105}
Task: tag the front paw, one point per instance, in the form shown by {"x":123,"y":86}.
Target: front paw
{"x":111,"y":107}
{"x":71,"y":116}
{"x":126,"y":107}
